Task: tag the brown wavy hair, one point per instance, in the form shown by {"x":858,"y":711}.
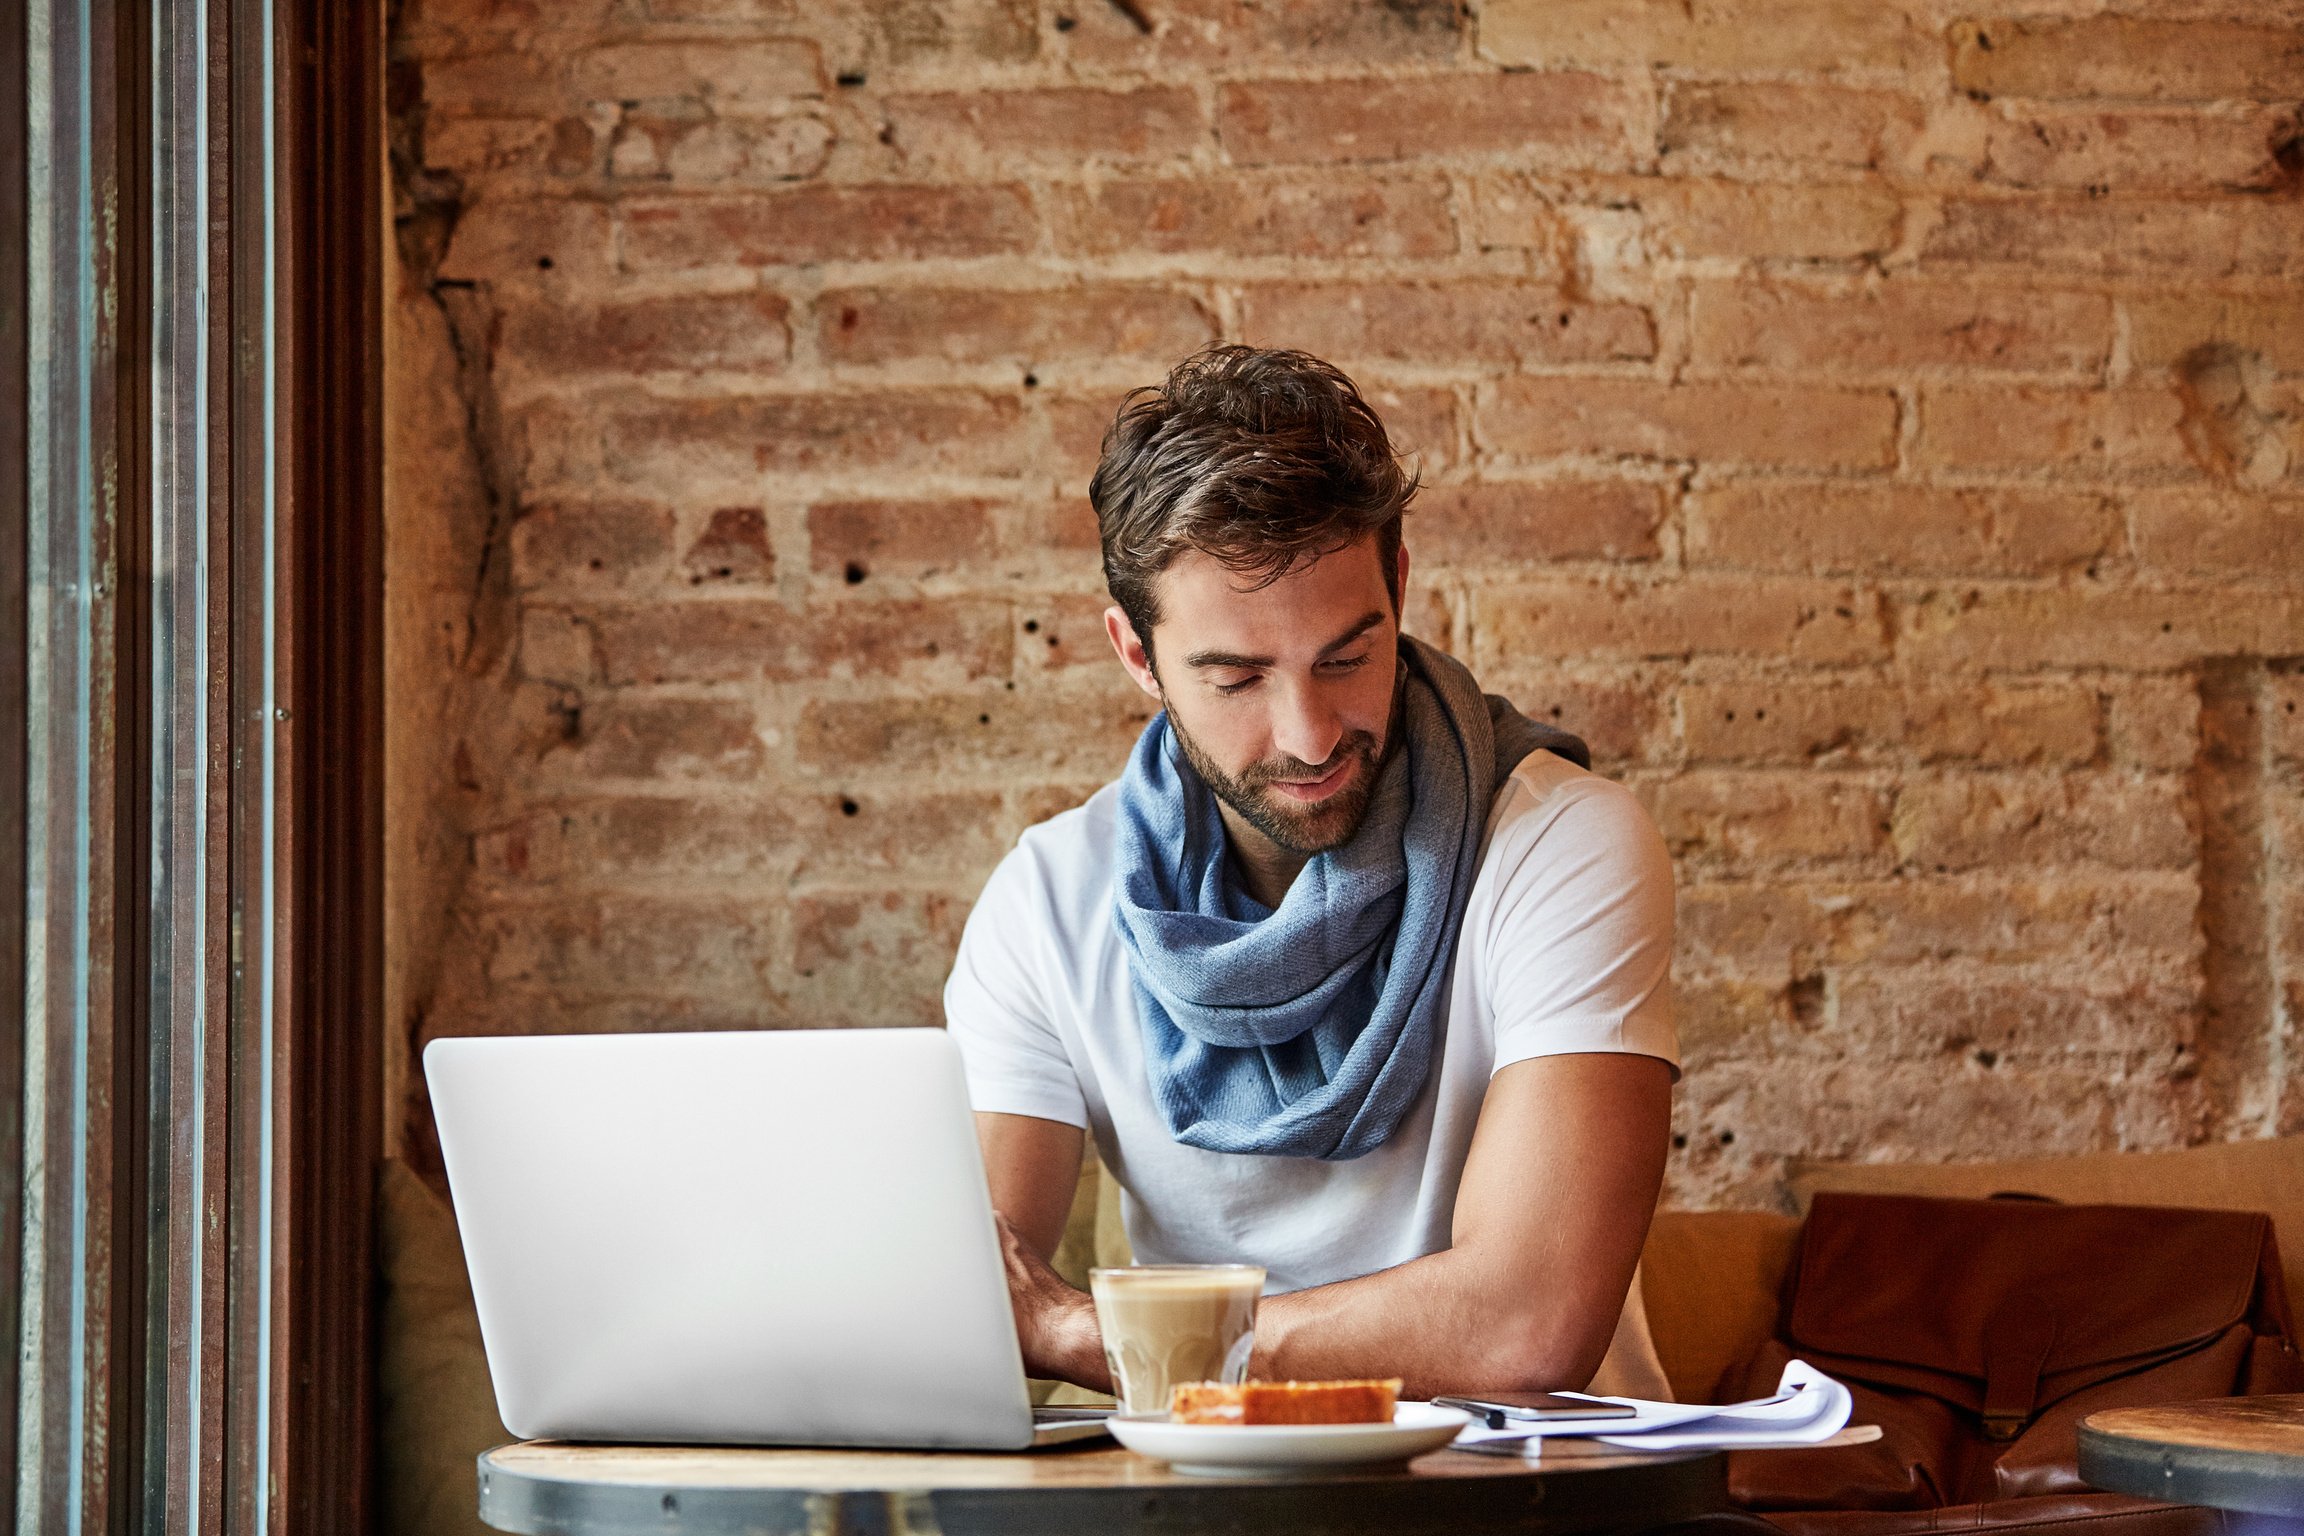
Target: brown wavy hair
{"x":1262,"y":459}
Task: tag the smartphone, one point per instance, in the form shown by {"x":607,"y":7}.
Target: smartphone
{"x":1505,"y":1408}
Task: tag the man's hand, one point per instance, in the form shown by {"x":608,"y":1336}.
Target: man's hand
{"x":1055,"y":1324}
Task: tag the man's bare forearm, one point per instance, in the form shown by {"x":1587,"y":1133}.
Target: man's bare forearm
{"x":1442,"y":1323}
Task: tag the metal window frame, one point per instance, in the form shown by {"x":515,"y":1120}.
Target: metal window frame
{"x":191,"y":219}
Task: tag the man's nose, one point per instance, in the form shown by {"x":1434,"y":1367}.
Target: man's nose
{"x":1308,"y":727}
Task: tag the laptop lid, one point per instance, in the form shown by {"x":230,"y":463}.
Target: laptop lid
{"x":765,"y":1238}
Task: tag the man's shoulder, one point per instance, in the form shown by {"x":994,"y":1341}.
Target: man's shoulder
{"x":1548,"y":806}
{"x":1067,"y":859}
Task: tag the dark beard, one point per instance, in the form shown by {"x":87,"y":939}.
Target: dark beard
{"x":1302,"y":830}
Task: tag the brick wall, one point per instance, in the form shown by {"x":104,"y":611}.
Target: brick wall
{"x":1877,"y":425}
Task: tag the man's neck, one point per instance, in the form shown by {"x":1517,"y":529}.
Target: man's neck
{"x":1266,"y":868}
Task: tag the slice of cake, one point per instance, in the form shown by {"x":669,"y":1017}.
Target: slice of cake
{"x":1286,"y":1402}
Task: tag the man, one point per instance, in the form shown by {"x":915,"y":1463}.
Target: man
{"x":1354,"y":974}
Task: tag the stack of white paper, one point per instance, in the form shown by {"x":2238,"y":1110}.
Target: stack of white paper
{"x":1809,"y":1407}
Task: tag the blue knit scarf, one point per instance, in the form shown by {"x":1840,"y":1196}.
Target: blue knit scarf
{"x":1308,"y":1031}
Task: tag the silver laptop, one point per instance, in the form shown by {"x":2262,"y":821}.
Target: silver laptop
{"x":779,"y":1238}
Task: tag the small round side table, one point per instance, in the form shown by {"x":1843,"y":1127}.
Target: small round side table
{"x":2237,"y":1453}
{"x":545,"y":1488}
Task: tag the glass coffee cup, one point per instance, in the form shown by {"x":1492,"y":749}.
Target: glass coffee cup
{"x":1165,"y":1324}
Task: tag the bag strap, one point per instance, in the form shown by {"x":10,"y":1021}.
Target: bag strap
{"x":2017,"y":1338}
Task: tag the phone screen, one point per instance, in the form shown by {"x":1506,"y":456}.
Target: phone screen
{"x":1499,"y":1408}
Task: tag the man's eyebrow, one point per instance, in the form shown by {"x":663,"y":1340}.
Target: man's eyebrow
{"x":1366,"y":622}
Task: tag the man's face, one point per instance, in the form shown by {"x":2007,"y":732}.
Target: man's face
{"x":1282,"y":696}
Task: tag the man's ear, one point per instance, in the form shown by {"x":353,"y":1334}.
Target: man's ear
{"x":1131,"y":651}
{"x":1400,"y":587}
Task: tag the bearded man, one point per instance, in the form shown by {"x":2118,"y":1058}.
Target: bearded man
{"x":1355,"y":973}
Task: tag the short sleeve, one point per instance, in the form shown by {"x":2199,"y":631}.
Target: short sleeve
{"x":996,"y":1003}
{"x":1578,"y":951}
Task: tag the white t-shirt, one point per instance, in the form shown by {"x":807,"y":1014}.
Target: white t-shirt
{"x":1565,"y":948}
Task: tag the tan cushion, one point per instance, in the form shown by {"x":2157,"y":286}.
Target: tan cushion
{"x":1711,"y":1281}
{"x":2263,"y":1176}
{"x":439,"y":1410}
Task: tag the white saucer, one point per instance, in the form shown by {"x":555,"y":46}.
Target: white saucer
{"x":1274,"y":1450}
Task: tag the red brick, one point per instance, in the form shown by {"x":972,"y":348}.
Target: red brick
{"x":2127,"y":56}
{"x":2092,"y":432}
{"x":1623,"y":714}
{"x":1861,"y":724}
{"x":674,"y":442}
{"x":1837,"y":1108}
{"x":977,"y":325}
{"x":2119,"y":236}
{"x":953,"y":32}
{"x":686,"y":150}
{"x":1570,"y":118}
{"x":1897,"y":326}
{"x":619,"y":839}
{"x":1639,"y":418}
{"x":1834,"y":526}
{"x":1718,"y":820}
{"x":1931,"y":1013}
{"x":699,"y":332}
{"x":1704,"y":36}
{"x":2132,"y":916}
{"x":875,"y":959}
{"x":1512,"y":522}
{"x":727,"y":75}
{"x":1077,"y":424}
{"x":1431,"y":610}
{"x":509,"y":84}
{"x":1719,"y":1019}
{"x":1785,"y":928}
{"x":1422,"y":423}
{"x":2083,"y":625}
{"x":1440,"y":323}
{"x":1512,"y":212}
{"x":434,"y":24}
{"x":2219,"y":534}
{"x":515,"y":240}
{"x":2154,"y":722}
{"x":1056,"y":128}
{"x":1232,"y":32}
{"x":2000,"y":820}
{"x":2138,"y":150}
{"x":591,"y":543}
{"x":860,"y":541}
{"x":1331,"y":216}
{"x":1817,"y":622}
{"x":2284,"y":720}
{"x":2163,"y":327}
{"x":1065,"y":629}
{"x":1065,"y":734}
{"x":1805,"y":124}
{"x":491,"y":1009}
{"x":1744,"y":221}
{"x":737,"y":640}
{"x":635,"y":736}
{"x":1064,"y":527}
{"x":482,"y":148}
{"x":820,"y":223}
{"x":891,"y":832}
{"x":556,"y":646}
{"x":733,"y":547}
{"x":628,"y":944}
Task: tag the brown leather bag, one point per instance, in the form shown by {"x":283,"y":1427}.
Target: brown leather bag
{"x":1978,"y":1333}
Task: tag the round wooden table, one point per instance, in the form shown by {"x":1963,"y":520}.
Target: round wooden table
{"x":546,"y":1488}
{"x":2238,"y":1453}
